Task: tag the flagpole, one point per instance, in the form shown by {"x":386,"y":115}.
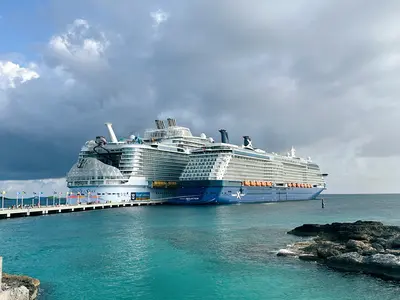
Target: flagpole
{"x":47,"y":201}
{"x":39,"y":199}
{"x":33,"y":200}
{"x":17,"y":200}
{"x":22,"y":200}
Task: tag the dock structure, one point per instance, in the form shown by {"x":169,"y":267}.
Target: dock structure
{"x":47,"y":210}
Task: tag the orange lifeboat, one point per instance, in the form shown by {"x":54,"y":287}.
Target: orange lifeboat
{"x":269,"y":183}
{"x":263,"y":183}
{"x":252,"y":183}
{"x":297,"y":184}
{"x":247,"y":183}
{"x":258,"y":183}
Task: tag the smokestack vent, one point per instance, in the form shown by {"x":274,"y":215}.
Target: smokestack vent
{"x":247,"y":141}
{"x":224,"y":136}
{"x":171,"y":122}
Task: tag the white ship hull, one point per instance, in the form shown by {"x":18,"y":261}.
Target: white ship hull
{"x":106,"y":194}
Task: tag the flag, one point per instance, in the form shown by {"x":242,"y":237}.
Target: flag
{"x":34,"y":193}
{"x":3,"y":192}
{"x":24,"y":193}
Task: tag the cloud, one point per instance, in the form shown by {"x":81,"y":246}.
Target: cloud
{"x":46,"y":186}
{"x":159,"y":17}
{"x":79,"y":44}
{"x":12,"y":74}
{"x":311,"y":74}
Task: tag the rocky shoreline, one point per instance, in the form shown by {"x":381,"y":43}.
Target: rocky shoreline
{"x":17,"y":287}
{"x":20,"y":285}
{"x":367,"y":247}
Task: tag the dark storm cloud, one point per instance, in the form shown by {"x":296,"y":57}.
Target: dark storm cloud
{"x":283,"y":72}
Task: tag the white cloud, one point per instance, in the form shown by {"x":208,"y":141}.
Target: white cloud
{"x":159,"y":17}
{"x":46,"y":186}
{"x":81,"y":43}
{"x":12,"y":74}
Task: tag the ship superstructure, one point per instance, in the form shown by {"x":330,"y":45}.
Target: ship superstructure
{"x":133,"y":168}
{"x":227,"y":173}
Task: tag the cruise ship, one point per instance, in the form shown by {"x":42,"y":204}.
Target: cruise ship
{"x":223,"y":173}
{"x":133,"y":168}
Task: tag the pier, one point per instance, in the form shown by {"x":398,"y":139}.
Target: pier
{"x":65,"y":208}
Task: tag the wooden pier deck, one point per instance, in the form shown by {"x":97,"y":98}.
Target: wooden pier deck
{"x":45,"y":210}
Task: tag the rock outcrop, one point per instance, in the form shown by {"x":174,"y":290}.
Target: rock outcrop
{"x":17,"y":287}
{"x":363,"y":246}
{"x":17,"y":282}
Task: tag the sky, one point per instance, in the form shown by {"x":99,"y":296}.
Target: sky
{"x":322,"y":76}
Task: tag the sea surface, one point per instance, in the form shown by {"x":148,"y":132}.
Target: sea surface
{"x":169,"y":252}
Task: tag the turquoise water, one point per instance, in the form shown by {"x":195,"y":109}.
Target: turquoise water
{"x":166,"y":252}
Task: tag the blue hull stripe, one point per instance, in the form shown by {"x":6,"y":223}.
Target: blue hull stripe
{"x":223,"y":194}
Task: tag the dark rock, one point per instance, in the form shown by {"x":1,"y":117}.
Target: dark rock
{"x":363,"y":246}
{"x":350,"y":261}
{"x":327,"y":249}
{"x":394,"y":243}
{"x":309,"y":257}
{"x":307,"y":230}
{"x":393,"y":251}
{"x":360,"y":246}
{"x":360,"y":230}
{"x":378,"y":247}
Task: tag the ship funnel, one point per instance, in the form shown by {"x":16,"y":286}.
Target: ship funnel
{"x":171,"y":122}
{"x":247,"y":141}
{"x":224,"y":136}
{"x":160,"y":124}
{"x":111,"y":132}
